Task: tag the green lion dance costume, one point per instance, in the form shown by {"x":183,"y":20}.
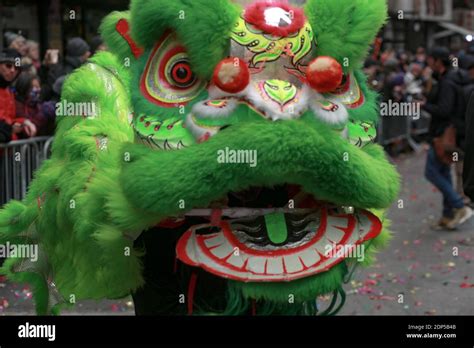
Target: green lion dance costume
{"x":225,"y":164}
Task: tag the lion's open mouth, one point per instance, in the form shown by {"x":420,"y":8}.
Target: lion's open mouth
{"x":277,"y":244}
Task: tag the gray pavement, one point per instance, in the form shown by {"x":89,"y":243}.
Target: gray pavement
{"x":420,"y":264}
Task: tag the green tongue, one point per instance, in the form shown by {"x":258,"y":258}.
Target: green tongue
{"x":276,"y":227}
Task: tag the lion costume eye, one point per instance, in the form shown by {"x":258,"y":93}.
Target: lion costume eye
{"x":168,"y":79}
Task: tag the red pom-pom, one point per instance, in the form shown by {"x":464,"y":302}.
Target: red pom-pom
{"x":232,"y":75}
{"x":324,"y":74}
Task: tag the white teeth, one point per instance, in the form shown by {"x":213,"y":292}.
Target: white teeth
{"x":275,"y":266}
{"x":310,"y":257}
{"x":236,"y":260}
{"x":293,"y":263}
{"x":322,"y":245}
{"x":335,"y":235}
{"x":256,"y":264}
{"x":222,"y":251}
{"x":215,"y":241}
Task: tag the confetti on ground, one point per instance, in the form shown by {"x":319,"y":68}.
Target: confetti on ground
{"x":466,"y":256}
{"x":365,"y":290}
{"x":466,"y":285}
{"x":24,"y":295}
{"x":383,"y":298}
{"x":371,"y":282}
{"x":3,"y":304}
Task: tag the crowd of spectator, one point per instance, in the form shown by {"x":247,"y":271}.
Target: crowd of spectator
{"x":405,"y":76}
{"x":30,"y":86}
{"x":441,"y":82}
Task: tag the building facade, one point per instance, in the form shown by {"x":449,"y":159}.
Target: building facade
{"x":426,"y":23}
{"x":53,"y":22}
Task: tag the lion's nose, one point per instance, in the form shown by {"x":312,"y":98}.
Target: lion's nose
{"x":278,"y":91}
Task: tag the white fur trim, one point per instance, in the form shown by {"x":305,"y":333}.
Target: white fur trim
{"x":198,"y":131}
{"x":202,"y":110}
{"x":336,"y":117}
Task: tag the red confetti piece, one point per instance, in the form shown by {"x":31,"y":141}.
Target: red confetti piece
{"x":466,"y":285}
{"x":370,"y":282}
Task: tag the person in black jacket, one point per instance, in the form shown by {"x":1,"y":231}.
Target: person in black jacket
{"x":5,"y":132}
{"x":469,"y":158}
{"x":445,"y":106}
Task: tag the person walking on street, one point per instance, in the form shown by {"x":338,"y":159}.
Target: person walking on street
{"x":444,"y":107}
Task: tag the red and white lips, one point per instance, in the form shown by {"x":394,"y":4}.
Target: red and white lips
{"x":229,"y":254}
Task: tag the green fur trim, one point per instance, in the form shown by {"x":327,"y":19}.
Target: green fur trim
{"x":344,"y":29}
{"x":369,"y":111}
{"x":301,"y":290}
{"x":202,"y":26}
{"x":88,"y":255}
{"x":312,"y":157}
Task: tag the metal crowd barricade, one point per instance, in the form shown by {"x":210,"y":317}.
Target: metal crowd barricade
{"x":18,"y":162}
{"x":396,"y":128}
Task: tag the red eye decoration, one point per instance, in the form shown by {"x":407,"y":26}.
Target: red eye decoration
{"x":168,"y":79}
{"x":182,"y":75}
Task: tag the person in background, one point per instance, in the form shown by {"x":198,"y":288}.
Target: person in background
{"x":33,"y":53}
{"x":5,"y":132}
{"x":468,"y":174}
{"x":28,"y":66}
{"x":374,"y":77}
{"x":28,"y":105}
{"x":443,"y":108}
{"x":414,"y":82}
{"x":97,"y":45}
{"x":77,"y":53}
{"x":16,"y":42}
{"x":9,"y":71}
{"x":420,"y":56}
{"x":48,"y":72}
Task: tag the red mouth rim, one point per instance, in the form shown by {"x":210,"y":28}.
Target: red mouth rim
{"x":223,"y":265}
